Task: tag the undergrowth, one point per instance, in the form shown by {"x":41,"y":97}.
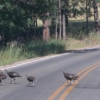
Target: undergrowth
{"x":76,"y":38}
{"x":32,"y":49}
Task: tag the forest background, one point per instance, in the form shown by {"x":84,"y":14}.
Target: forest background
{"x":35,"y":28}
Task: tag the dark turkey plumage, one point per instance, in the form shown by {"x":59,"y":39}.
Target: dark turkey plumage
{"x":70,"y":77}
{"x":2,"y":77}
{"x":1,"y":72}
{"x":31,"y":79}
{"x":13,"y":75}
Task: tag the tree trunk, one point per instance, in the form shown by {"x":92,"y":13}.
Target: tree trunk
{"x":46,"y":31}
{"x":64,"y":27}
{"x":66,"y":19}
{"x":53,"y":26}
{"x":35,"y":24}
{"x":63,"y":32}
{"x":86,"y":16}
{"x":59,"y":19}
{"x":66,"y":15}
{"x":56,"y":30}
{"x":96,"y":19}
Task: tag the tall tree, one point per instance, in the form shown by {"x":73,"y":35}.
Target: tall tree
{"x":15,"y":19}
{"x":96,"y":19}
{"x":87,"y":16}
{"x":88,"y":13}
{"x":59,"y":11}
{"x":63,"y":25}
{"x":44,"y":10}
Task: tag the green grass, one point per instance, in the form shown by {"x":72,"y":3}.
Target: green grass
{"x":98,"y":0}
{"x":41,"y":48}
{"x":76,"y":39}
{"x":32,"y":49}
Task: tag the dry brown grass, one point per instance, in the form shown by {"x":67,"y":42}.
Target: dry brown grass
{"x":92,"y":40}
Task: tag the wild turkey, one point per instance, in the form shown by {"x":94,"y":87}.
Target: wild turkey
{"x":31,"y":79}
{"x":13,"y":75}
{"x":1,"y":72}
{"x":70,"y":77}
{"x":2,"y":77}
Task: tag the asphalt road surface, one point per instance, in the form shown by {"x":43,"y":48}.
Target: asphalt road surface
{"x":50,"y":77}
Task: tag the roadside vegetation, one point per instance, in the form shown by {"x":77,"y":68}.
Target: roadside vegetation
{"x":37,"y":28}
{"x":76,"y":39}
{"x":14,"y":53}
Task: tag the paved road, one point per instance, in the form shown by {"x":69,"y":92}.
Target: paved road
{"x":50,"y":77}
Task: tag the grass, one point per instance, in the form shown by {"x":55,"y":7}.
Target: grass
{"x":92,"y":40}
{"x":35,"y":49}
{"x":32,"y":49}
{"x":76,"y":38}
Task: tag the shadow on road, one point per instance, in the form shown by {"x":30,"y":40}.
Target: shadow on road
{"x":88,"y":87}
{"x":82,"y":51}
